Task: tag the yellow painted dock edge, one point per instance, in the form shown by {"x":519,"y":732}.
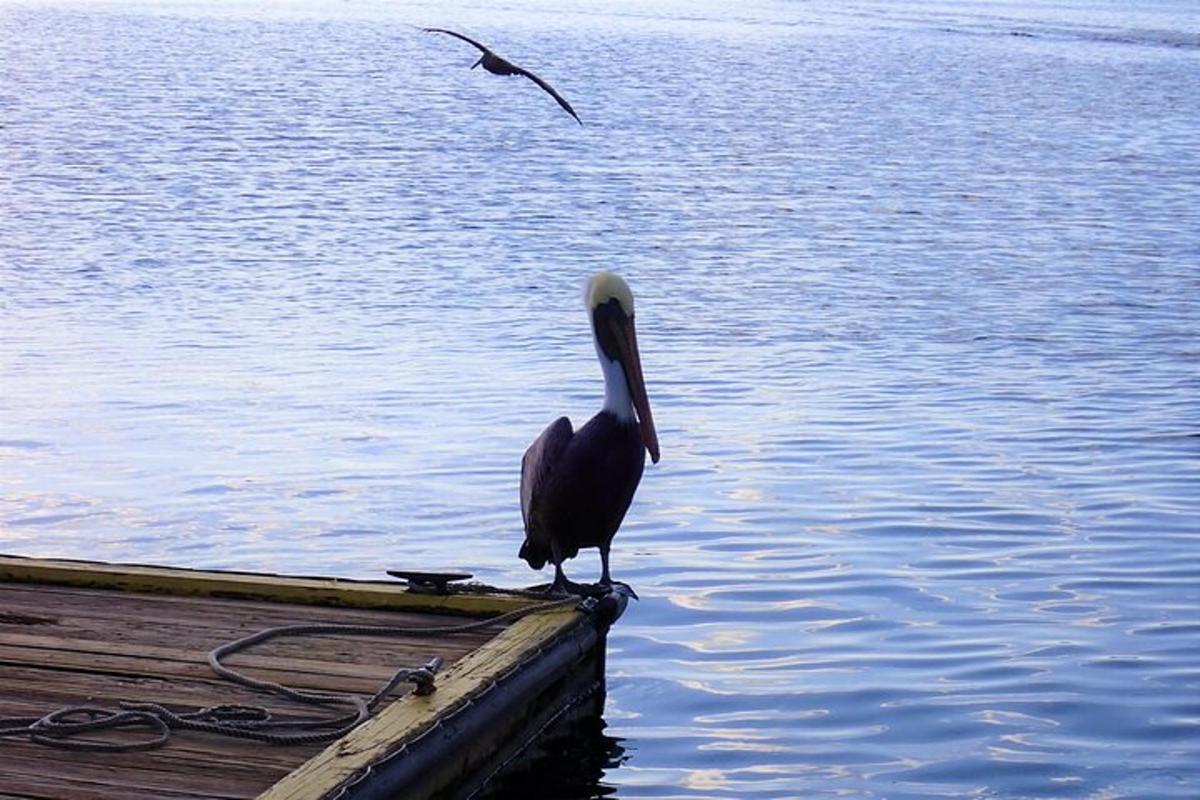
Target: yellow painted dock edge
{"x":251,"y":586}
{"x":410,"y":716}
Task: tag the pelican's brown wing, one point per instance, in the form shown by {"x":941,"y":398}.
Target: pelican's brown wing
{"x":549,"y":90}
{"x":466,"y":39}
{"x":536,"y":468}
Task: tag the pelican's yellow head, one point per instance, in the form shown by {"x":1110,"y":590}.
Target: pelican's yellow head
{"x":610,"y":305}
{"x":606,"y":286}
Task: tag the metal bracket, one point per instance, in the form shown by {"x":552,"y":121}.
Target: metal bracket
{"x":423,"y":678}
{"x":587,"y":605}
{"x":429,"y":582}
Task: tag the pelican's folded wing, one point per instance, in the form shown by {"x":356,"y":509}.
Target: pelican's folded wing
{"x":539,"y":462}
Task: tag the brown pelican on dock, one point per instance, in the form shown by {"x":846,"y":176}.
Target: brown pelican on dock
{"x":576,"y":486}
{"x":499,"y":66}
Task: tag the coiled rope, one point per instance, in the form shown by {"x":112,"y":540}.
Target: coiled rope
{"x":63,"y":727}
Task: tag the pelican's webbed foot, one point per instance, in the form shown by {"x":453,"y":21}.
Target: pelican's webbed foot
{"x":565,"y":587}
{"x":569,"y":588}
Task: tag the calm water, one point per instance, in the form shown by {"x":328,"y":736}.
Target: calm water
{"x":287,"y":287}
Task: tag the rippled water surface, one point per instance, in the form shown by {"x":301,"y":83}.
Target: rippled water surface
{"x":288,"y":287}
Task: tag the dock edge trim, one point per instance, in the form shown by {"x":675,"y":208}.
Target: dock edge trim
{"x":252,"y":586}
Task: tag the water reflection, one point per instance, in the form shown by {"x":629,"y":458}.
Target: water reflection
{"x":570,"y":763}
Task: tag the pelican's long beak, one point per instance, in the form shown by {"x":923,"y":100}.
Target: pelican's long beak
{"x":631,"y":364}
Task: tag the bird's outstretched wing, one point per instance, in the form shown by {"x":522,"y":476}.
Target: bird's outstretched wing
{"x":549,"y":90}
{"x":458,"y":36}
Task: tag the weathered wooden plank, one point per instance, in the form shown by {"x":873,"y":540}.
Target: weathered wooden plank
{"x":384,"y":651}
{"x":37,"y":778}
{"x":317,"y":591}
{"x":323,"y":669}
{"x":181,"y":616}
{"x":331,"y":656}
{"x":48,"y":692}
{"x":173,"y":767}
{"x":132,"y":667}
{"x":87,"y":598}
{"x":191,"y":749}
{"x":405,"y":718}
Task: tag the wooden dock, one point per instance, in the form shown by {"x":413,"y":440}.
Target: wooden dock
{"x":75,"y":633}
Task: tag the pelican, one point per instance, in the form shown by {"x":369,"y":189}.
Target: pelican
{"x":577,"y":485}
{"x":499,"y":66}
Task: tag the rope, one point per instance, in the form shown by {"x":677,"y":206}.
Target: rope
{"x":62,"y":727}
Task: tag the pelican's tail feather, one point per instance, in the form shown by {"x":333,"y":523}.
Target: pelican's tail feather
{"x":534,"y":555}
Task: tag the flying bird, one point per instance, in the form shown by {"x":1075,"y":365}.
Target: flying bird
{"x":577,"y":485}
{"x":499,"y":66}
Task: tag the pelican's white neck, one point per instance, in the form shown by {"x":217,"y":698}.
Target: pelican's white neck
{"x":617,"y":398}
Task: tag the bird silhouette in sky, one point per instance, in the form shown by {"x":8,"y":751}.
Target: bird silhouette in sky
{"x":499,"y":66}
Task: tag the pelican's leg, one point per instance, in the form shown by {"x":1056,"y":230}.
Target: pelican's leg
{"x":606,"y":577}
{"x":562,"y":586}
